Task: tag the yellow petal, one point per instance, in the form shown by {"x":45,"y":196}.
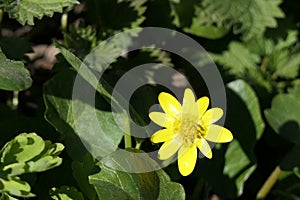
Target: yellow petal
{"x":168,"y":149}
{"x":219,"y":134}
{"x":162,"y":136}
{"x":202,"y":103}
{"x":189,"y":105}
{"x":211,"y":116}
{"x":169,"y":104}
{"x":161,"y":119}
{"x":204,"y":147}
{"x":187,"y":159}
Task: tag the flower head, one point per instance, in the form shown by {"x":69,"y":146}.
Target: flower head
{"x":187,"y":128}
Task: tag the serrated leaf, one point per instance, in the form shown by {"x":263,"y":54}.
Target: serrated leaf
{"x":238,"y":59}
{"x":250,"y":17}
{"x":66,"y":193}
{"x":26,"y":10}
{"x":13,"y":74}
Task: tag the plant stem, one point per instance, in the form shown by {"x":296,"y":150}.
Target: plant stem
{"x":127,"y":139}
{"x":138,"y":145}
{"x":270,"y":182}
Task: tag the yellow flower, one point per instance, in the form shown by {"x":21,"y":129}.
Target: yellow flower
{"x":187,"y":127}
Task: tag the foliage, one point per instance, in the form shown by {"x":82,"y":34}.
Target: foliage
{"x":254,"y":43}
{"x":26,"y":153}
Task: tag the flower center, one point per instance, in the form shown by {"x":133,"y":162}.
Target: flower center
{"x":189,"y":130}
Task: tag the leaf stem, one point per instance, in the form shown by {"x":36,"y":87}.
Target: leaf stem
{"x":270,"y":182}
{"x":128,"y":142}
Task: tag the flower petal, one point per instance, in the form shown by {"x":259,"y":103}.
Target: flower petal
{"x":202,"y":103}
{"x":169,"y":104}
{"x":211,"y":116}
{"x":162,"y":136}
{"x":189,"y":105}
{"x":168,"y":149}
{"x":204,"y":147}
{"x":219,"y":134}
{"x":162,"y":119}
{"x":187,"y":158}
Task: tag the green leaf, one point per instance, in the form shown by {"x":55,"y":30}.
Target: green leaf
{"x":250,"y":17}
{"x":81,"y":171}
{"x":96,"y":127}
{"x":248,"y":96}
{"x":125,"y":185}
{"x":150,"y":185}
{"x":239,"y":157}
{"x":13,"y":74}
{"x":66,"y":193}
{"x":25,"y":10}
{"x":284,"y":118}
{"x":238,"y":166}
{"x":168,"y":189}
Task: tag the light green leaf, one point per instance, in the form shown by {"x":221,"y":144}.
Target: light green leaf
{"x":13,"y":74}
{"x":22,"y":148}
{"x":5,"y":196}
{"x":66,"y":193}
{"x":28,"y":153}
{"x":15,"y":186}
{"x":25,"y":10}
